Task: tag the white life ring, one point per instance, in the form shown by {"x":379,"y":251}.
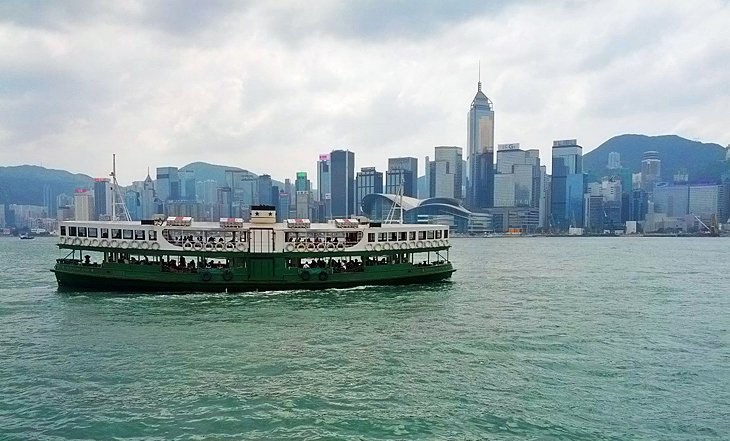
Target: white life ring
{"x":123,"y":245}
{"x":85,"y":241}
{"x":240,"y":246}
{"x":310,"y":247}
{"x":219,"y":246}
{"x":429,"y":244}
{"x":114,"y":243}
{"x":369,"y":247}
{"x":301,"y":247}
{"x":187,"y":246}
{"x":446,"y":242}
{"x":155,"y":246}
{"x":396,"y":246}
{"x":386,"y":246}
{"x":94,"y":242}
{"x":209,"y":246}
{"x":419,"y":244}
{"x":331,"y":246}
{"x":144,"y":245}
{"x":77,"y":241}
{"x":378,"y":247}
{"x":320,"y":247}
{"x":340,"y":247}
{"x":104,"y":243}
{"x":290,"y":247}
{"x":404,"y":245}
{"x":134,"y":244}
{"x":411,"y":245}
{"x":197,"y":246}
{"x":230,"y":246}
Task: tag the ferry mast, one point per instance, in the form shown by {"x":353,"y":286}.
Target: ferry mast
{"x":117,"y":200}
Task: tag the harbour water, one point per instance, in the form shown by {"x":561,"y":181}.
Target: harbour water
{"x":534,"y":338}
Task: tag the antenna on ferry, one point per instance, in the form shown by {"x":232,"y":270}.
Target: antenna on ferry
{"x":117,"y":199}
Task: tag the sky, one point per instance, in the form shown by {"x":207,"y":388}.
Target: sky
{"x":268,"y":86}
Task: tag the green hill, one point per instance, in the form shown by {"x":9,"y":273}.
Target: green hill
{"x":702,"y":161}
{"x":25,"y":184}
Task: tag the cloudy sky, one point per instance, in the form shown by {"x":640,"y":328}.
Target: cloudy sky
{"x":268,"y":86}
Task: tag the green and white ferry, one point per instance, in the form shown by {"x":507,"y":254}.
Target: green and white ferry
{"x":179,"y":254}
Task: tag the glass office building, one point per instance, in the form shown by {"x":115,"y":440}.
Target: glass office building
{"x":567,"y":185}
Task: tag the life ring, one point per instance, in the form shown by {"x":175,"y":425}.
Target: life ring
{"x":429,"y":244}
{"x":209,"y":246}
{"x":206,"y":276}
{"x":85,"y":241}
{"x":94,"y":242}
{"x":331,"y":246}
{"x":144,"y":245}
{"x":396,"y":246}
{"x":77,"y":241}
{"x":386,"y":246}
{"x":290,"y":247}
{"x":411,"y":245}
{"x":369,"y":247}
{"x":187,"y":246}
{"x":227,"y":275}
{"x":197,"y":246}
{"x":310,"y":247}
{"x":446,"y":242}
{"x":114,"y":243}
{"x":378,"y":247}
{"x":320,"y":247}
{"x":419,"y":244}
{"x":240,"y":246}
{"x":134,"y":244}
{"x":340,"y":247}
{"x":104,"y":243}
{"x":61,"y":240}
{"x":305,"y":275}
{"x":323,"y":276}
{"x":155,"y":246}
{"x":123,"y":245}
{"x":301,"y":247}
{"x":220,"y":247}
{"x":404,"y":245}
{"x":230,"y":246}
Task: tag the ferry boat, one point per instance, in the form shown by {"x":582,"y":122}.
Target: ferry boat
{"x":179,"y":254}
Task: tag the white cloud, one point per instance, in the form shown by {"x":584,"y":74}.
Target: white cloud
{"x":268,"y":86}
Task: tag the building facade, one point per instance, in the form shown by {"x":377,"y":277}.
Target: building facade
{"x":480,"y":152}
{"x":402,"y":172}
{"x":567,"y":185}
{"x":368,"y":181}
{"x":342,"y":176}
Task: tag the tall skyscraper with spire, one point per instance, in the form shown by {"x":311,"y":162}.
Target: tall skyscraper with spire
{"x":480,"y":145}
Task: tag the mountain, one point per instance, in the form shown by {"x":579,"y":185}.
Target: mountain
{"x":25,"y":184}
{"x":702,"y":161}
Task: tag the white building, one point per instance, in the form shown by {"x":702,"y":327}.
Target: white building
{"x":83,"y":205}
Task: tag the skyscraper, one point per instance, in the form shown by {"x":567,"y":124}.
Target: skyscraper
{"x":402,"y":171}
{"x":102,"y":197}
{"x":445,"y":172}
{"x":324,"y":184}
{"x":614,"y":161}
{"x":651,"y":170}
{"x":368,"y":181}
{"x":83,"y":205}
{"x":264,"y":187}
{"x":342,"y":180}
{"x":168,"y":183}
{"x":567,"y":185}
{"x":480,"y":146}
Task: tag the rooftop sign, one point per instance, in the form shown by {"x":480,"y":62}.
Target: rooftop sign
{"x":565,"y":142}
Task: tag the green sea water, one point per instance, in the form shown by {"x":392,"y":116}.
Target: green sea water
{"x":535,"y":338}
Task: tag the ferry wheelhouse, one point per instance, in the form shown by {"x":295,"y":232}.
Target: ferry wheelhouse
{"x":179,"y":254}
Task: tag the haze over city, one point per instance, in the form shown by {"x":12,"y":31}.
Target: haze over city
{"x":268,"y":87}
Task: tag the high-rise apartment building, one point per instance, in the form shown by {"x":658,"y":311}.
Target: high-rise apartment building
{"x":567,"y":185}
{"x":614,"y":161}
{"x":480,"y":152}
{"x":368,"y":181}
{"x":402,"y":172}
{"x":342,"y":178}
{"x":83,"y":205}
{"x":168,"y":183}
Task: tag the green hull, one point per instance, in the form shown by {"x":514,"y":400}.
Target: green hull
{"x":142,"y":278}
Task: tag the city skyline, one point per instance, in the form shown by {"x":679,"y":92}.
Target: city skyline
{"x":200,"y":85}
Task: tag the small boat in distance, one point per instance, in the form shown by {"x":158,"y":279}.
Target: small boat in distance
{"x":179,"y":254}
{"x":26,"y":236}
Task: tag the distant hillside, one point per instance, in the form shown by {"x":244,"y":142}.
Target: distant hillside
{"x":24,"y":184}
{"x":702,"y":161}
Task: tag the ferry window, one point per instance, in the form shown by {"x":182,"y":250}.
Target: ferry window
{"x":421,"y":235}
{"x":63,"y":231}
{"x":394,"y":236}
{"x":446,"y":234}
{"x":371,"y":236}
{"x":153,"y":235}
{"x":105,"y":233}
{"x":382,"y":237}
{"x":430,"y":234}
{"x":72,"y":231}
{"x":93,"y":232}
{"x":411,"y":235}
{"x":126,"y":234}
{"x":438,"y":234}
{"x":82,"y":232}
{"x":116,"y":233}
{"x":138,"y":234}
{"x":402,"y":235}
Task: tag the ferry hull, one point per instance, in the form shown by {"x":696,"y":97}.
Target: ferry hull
{"x":75,"y":278}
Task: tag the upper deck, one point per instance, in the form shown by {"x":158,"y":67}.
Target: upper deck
{"x":262,"y":235}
